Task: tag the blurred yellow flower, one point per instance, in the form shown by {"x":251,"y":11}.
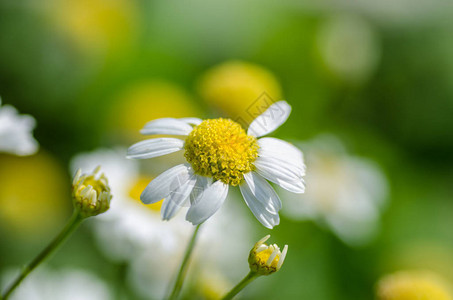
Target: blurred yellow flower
{"x":413,"y":285}
{"x":136,"y":190}
{"x":33,"y":194}
{"x":423,"y":254}
{"x":211,"y":284}
{"x":97,"y":25}
{"x":241,"y":90}
{"x":146,"y":101}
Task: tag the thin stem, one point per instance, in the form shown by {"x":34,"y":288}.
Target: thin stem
{"x":73,"y":223}
{"x":244,"y":282}
{"x":183,"y":270}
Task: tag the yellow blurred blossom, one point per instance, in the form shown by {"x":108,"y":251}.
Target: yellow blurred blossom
{"x":241,"y":90}
{"x":97,"y":25}
{"x":136,"y":190}
{"x":148,"y":100}
{"x":413,"y":285}
{"x":32,"y":194}
{"x":211,"y":284}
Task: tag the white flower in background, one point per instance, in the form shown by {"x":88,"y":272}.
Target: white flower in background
{"x":349,"y":47}
{"x":16,"y":132}
{"x":67,"y":284}
{"x":134,"y":233}
{"x":219,"y":153}
{"x":128,"y":226}
{"x":153,"y":271}
{"x":346,"y":193}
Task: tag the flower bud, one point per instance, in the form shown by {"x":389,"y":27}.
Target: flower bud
{"x":264,"y":259}
{"x":90,"y":193}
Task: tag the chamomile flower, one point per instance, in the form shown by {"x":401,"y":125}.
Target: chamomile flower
{"x":16,"y":132}
{"x":220,"y":153}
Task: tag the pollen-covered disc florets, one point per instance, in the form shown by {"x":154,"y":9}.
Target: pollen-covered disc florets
{"x":264,"y":259}
{"x":90,"y":193}
{"x":221,"y":149}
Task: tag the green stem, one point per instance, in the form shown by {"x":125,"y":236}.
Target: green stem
{"x":73,"y":223}
{"x":183,"y":270}
{"x":244,"y":282}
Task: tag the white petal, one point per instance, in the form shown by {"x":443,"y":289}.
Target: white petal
{"x":178,"y":197}
{"x":276,"y":148}
{"x":161,"y":186}
{"x":154,"y":147}
{"x":192,"y":121}
{"x":268,"y":219}
{"x":169,"y":126}
{"x":201,"y":184}
{"x":270,"y":120}
{"x":207,"y":203}
{"x":284,"y":174}
{"x":263,"y":192}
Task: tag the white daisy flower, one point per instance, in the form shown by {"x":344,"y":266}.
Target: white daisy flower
{"x":16,"y":132}
{"x":346,"y":193}
{"x":68,"y":284}
{"x":219,"y":153}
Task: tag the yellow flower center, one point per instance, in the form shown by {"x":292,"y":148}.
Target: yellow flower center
{"x":221,"y":149}
{"x":262,"y":257}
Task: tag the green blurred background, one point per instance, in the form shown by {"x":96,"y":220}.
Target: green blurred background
{"x":378,"y":75}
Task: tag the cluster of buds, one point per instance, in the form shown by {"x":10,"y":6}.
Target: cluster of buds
{"x":264,"y":259}
{"x":90,"y":193}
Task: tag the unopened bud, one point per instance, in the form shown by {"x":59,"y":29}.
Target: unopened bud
{"x":264,"y":259}
{"x":91,"y":193}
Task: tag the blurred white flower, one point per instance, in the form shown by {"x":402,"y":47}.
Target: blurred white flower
{"x":349,"y":47}
{"x":129,"y":226}
{"x":67,"y":284}
{"x":344,"y":192}
{"x":134,"y":233}
{"x":153,"y":272}
{"x":16,"y":132}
